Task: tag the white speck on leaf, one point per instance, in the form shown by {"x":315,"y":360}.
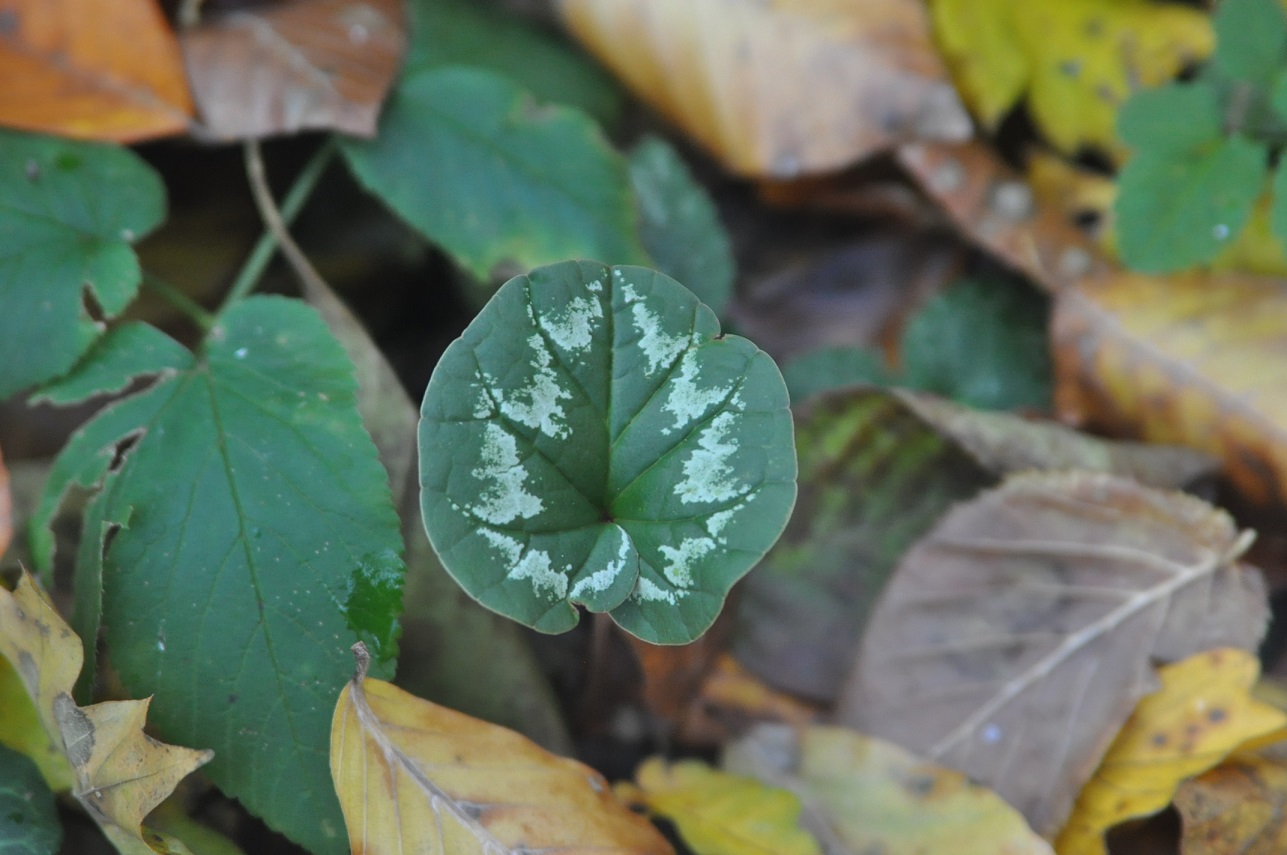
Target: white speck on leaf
{"x":574,"y":326}
{"x":534,"y":566}
{"x":600,"y":580}
{"x":240,"y":353}
{"x":707,"y":474}
{"x":650,"y":592}
{"x":679,"y":562}
{"x":504,"y":498}
{"x":687,"y":402}
{"x":991,"y":734}
{"x":659,"y":349}
{"x":537,"y":404}
{"x":594,"y":286}
{"x":716,"y":522}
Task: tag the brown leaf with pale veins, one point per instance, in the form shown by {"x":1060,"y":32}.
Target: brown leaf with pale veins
{"x":1016,"y":637}
{"x":996,"y":209}
{"x":93,"y":69}
{"x":1193,"y":359}
{"x":780,"y":89}
{"x":278,"y":68}
{"x":416,"y":777}
{"x":121,"y":773}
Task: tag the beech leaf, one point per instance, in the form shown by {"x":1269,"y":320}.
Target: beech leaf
{"x":1239,"y":806}
{"x":718,"y":813}
{"x":416,"y":777}
{"x":1203,"y":711}
{"x":121,"y":773}
{"x":279,"y":68}
{"x":1016,"y":637}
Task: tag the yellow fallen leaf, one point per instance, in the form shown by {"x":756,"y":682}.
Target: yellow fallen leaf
{"x":22,"y":730}
{"x":1078,"y":60}
{"x":867,"y":795}
{"x":120,"y":772}
{"x":1192,"y":359}
{"x":780,"y":89}
{"x":718,"y":813}
{"x":416,"y":777}
{"x":1203,"y":712}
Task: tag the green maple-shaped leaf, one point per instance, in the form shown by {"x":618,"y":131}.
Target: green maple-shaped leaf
{"x":592,"y":438}
{"x":68,"y":214}
{"x":242,"y":537}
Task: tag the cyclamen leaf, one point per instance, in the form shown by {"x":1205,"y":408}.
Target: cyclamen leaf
{"x":28,"y":818}
{"x":469,"y":160}
{"x":593,"y":439}
{"x":257,"y":540}
{"x":68,"y":214}
{"x":1251,"y":39}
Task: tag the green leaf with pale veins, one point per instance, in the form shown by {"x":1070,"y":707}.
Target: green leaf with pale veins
{"x":28,"y":819}
{"x":593,"y":439}
{"x":257,"y":541}
{"x":68,"y":214}
{"x":679,"y":225}
{"x":470,"y":160}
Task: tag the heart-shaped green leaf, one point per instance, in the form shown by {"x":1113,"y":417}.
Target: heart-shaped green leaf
{"x":593,"y":439}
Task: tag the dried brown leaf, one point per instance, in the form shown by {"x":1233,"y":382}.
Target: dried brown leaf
{"x":278,"y":68}
{"x":1016,"y":637}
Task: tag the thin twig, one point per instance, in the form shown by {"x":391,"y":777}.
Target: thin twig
{"x":268,"y":242}
{"x":179,"y":300}
{"x":312,"y":281}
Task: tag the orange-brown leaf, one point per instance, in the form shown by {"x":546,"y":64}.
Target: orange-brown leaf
{"x":416,"y":777}
{"x":284,"y":67}
{"x":94,"y":69}
{"x":1238,"y":807}
{"x":1194,"y":360}
{"x":780,"y":89}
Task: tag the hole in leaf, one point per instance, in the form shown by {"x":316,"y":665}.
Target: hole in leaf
{"x":122,"y":449}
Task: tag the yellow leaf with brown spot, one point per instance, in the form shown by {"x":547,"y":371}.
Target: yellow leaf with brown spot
{"x":416,"y":777}
{"x":718,"y":813}
{"x":1203,"y":712}
{"x":780,"y":89}
{"x":1238,"y":807}
{"x":121,"y":774}
{"x":863,"y":795}
{"x":1194,"y":359}
{"x":1077,"y":60}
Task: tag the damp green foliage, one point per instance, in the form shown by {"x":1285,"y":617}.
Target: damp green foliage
{"x":68,"y":216}
{"x":982,"y":343}
{"x":1202,"y":149}
{"x":476,"y":165}
{"x":474,"y":34}
{"x":28,"y":820}
{"x":873,"y":478}
{"x":245,"y":537}
{"x":593,"y":440}
{"x":679,"y":225}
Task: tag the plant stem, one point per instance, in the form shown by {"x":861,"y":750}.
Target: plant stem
{"x":268,"y":242}
{"x":179,"y":300}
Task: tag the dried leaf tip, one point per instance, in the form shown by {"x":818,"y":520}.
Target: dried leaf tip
{"x":363,"y":658}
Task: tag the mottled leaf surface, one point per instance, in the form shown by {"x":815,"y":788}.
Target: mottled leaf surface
{"x":68,"y":214}
{"x":257,"y":540}
{"x":593,"y":439}
{"x":1016,"y":637}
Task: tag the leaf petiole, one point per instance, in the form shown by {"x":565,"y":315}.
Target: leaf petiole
{"x":179,"y":300}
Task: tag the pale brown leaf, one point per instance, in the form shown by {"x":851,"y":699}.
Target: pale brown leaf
{"x":1017,"y":636}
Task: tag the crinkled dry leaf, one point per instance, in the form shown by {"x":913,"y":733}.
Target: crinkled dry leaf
{"x":718,"y":813}
{"x":93,"y":69}
{"x":1192,"y":359}
{"x":1238,"y":807}
{"x":1077,"y":60}
{"x":780,"y":89}
{"x":863,"y":795}
{"x":121,"y":773}
{"x":731,"y":700}
{"x":994,"y":207}
{"x":1203,"y":711}
{"x":1016,"y":637}
{"x":279,"y":68}
{"x":414,"y":776}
